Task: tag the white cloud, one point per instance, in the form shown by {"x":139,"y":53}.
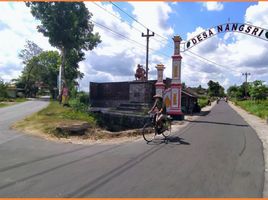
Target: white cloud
{"x":257,"y":14}
{"x":19,"y":26}
{"x":117,"y":58}
{"x":234,"y":53}
{"x":213,"y":6}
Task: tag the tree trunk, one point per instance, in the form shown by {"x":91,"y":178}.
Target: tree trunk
{"x":26,"y":87}
{"x":62,"y":73}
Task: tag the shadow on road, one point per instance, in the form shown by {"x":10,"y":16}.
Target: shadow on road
{"x":219,"y":123}
{"x":201,"y":113}
{"x":169,"y":140}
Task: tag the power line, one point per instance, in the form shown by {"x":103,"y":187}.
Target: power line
{"x":126,"y":38}
{"x":130,"y":16}
{"x":203,"y":59}
{"x":122,"y":20}
{"x":138,"y":44}
{"x":119,"y":34}
{"x":116,"y":16}
{"x":165,"y":38}
{"x":212,"y":62}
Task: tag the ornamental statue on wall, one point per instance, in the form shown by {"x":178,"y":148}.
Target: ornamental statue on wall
{"x":140,"y":73}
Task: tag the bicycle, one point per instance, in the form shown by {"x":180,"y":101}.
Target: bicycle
{"x":151,"y":129}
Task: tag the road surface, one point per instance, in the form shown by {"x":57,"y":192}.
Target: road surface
{"x":218,"y":155}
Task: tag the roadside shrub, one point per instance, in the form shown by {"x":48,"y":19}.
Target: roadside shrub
{"x":258,"y":108}
{"x":83,"y":97}
{"x":202,"y":101}
{"x":77,"y":105}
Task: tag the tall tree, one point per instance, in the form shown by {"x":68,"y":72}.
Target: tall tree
{"x":234,"y":92}
{"x":45,"y":71}
{"x":215,"y":89}
{"x":27,"y":55}
{"x":67,"y":26}
{"x":30,"y":50}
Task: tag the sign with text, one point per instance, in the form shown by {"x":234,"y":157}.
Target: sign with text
{"x":248,"y":29}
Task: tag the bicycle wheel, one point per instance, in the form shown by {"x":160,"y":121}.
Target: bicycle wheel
{"x":148,"y":132}
{"x":167,"y":125}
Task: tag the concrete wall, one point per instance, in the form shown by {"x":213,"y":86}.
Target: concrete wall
{"x":141,"y":92}
{"x":109,"y":94}
{"x":115,"y":93}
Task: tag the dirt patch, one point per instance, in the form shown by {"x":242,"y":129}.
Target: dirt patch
{"x":92,"y":136}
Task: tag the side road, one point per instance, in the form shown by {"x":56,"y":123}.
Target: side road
{"x":261,"y":127}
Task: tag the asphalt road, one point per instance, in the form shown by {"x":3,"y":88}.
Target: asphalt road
{"x":218,"y":155}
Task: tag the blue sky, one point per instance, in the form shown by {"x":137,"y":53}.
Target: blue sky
{"x":115,"y":59}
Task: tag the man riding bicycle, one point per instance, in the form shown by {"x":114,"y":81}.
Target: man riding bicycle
{"x":160,"y":109}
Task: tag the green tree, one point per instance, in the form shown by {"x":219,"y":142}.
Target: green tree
{"x":3,"y":89}
{"x":67,"y":26}
{"x":183,"y":86}
{"x":215,"y":89}
{"x":244,"y":90}
{"x":72,"y":68}
{"x":258,"y":90}
{"x":233,"y":91}
{"x":43,"y":69}
{"x":27,"y":54}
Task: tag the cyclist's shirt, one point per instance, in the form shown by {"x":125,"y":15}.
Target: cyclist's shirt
{"x":161,"y":105}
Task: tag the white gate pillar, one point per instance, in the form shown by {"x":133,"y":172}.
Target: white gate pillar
{"x":159,"y":85}
{"x":176,"y":87}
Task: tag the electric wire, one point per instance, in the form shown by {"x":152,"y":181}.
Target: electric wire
{"x":127,"y":38}
{"x":133,"y":18}
{"x":201,"y":58}
{"x":122,"y":20}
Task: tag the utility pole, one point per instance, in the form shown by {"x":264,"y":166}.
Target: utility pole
{"x":246,"y":75}
{"x":147,"y":49}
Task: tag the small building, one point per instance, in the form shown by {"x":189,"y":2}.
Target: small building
{"x":189,"y":102}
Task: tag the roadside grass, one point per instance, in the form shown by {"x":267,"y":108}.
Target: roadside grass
{"x":10,"y":101}
{"x":258,"y":108}
{"x":46,"y":120}
{"x":3,"y":104}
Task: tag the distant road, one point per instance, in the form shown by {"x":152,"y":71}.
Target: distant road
{"x":218,"y":155}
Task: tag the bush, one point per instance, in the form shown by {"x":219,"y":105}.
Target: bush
{"x":77,"y":105}
{"x":259,"y":108}
{"x":83,"y":97}
{"x":80,"y":102}
{"x":203,"y":101}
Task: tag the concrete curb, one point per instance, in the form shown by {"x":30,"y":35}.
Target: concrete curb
{"x":260,"y":126}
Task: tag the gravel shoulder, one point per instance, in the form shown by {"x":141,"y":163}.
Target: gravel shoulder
{"x":261,"y":127}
